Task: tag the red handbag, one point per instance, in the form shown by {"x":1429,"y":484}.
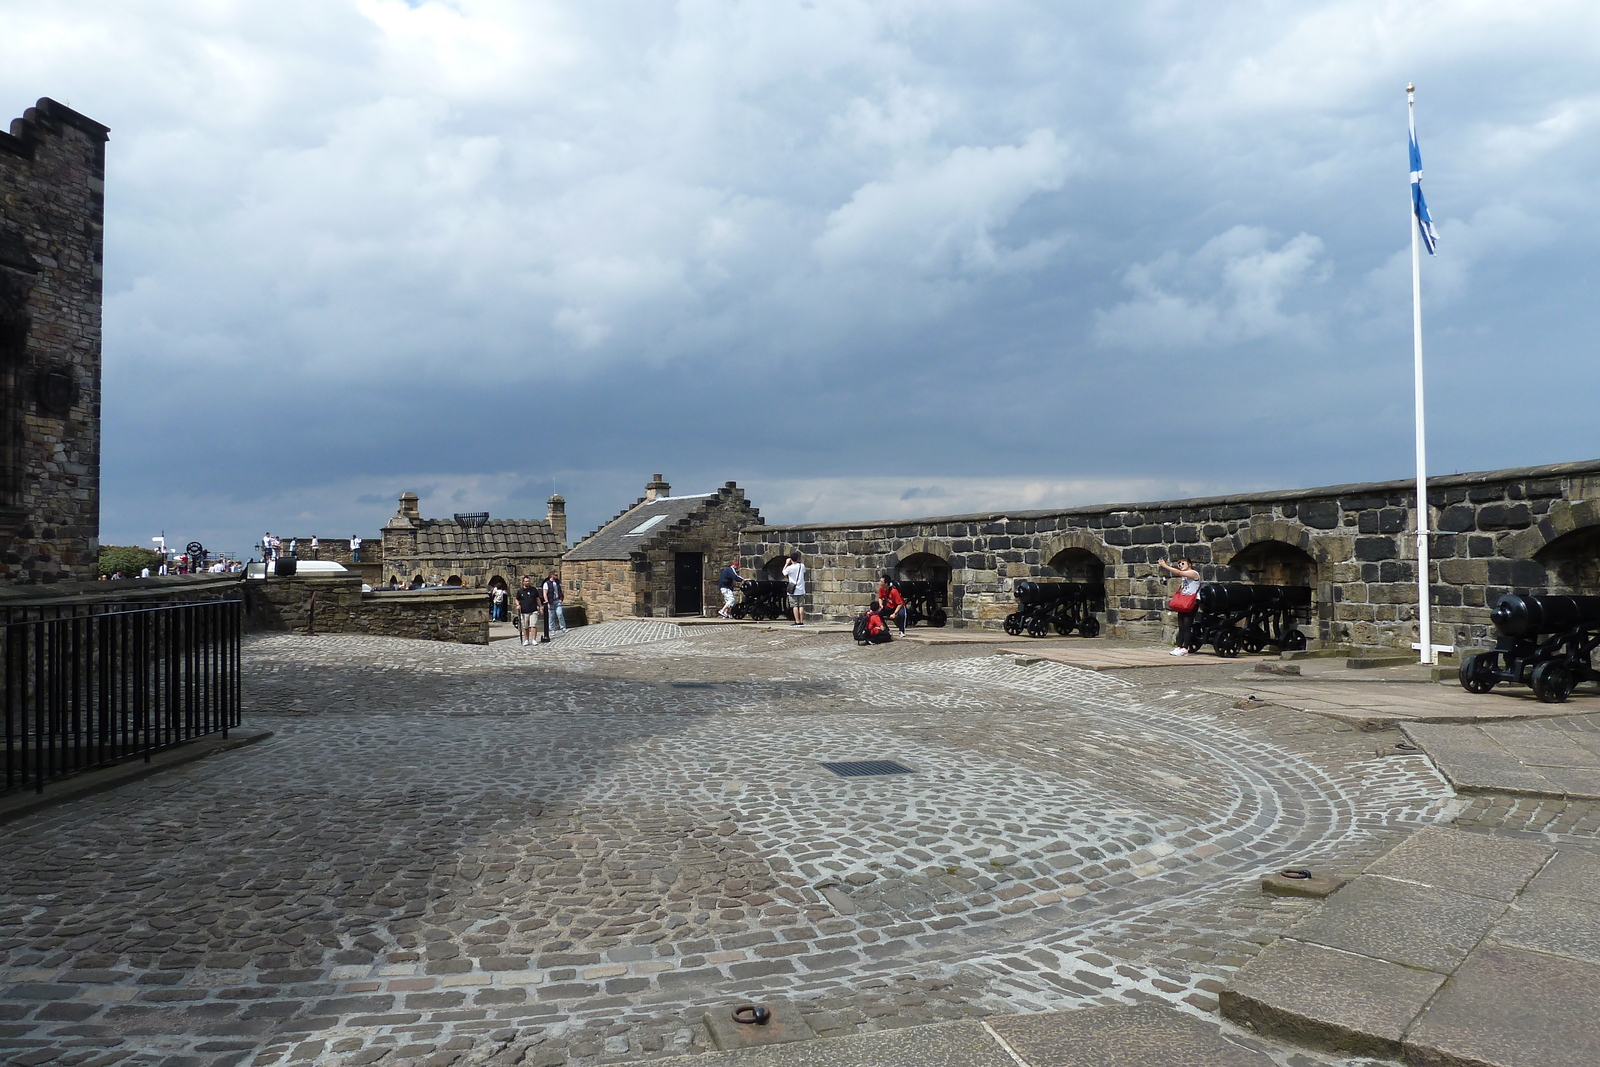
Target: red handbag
{"x":1182,"y":603}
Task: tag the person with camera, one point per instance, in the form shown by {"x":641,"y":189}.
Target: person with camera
{"x":1185,"y":601}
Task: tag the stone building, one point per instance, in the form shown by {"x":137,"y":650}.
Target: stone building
{"x":661,"y":555}
{"x":52,"y":211}
{"x":471,"y":550}
{"x":1530,"y":529}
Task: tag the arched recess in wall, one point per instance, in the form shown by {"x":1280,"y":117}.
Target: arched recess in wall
{"x":1572,"y":562}
{"x":454,"y":579}
{"x":772,"y":569}
{"x":497,"y":582}
{"x":924,"y":567}
{"x":1274,"y":563}
{"x":1078,"y":556}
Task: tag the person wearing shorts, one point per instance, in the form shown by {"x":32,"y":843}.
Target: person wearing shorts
{"x":528,"y":612}
{"x":728,"y":583}
{"x":794,"y":572}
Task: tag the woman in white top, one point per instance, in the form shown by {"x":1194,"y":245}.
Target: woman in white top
{"x":1190,"y":585}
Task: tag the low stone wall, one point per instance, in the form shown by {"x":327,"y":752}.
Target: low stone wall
{"x":337,"y":605}
{"x":1532,"y":529}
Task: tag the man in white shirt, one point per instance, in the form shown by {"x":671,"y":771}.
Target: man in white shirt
{"x":794,"y":572}
{"x":355,"y":549}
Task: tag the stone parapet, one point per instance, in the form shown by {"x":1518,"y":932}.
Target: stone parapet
{"x":336,"y":604}
{"x":1530,"y":529}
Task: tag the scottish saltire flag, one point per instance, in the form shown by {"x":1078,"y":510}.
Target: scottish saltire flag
{"x":1419,"y":206}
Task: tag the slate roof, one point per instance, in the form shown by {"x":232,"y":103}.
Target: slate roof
{"x":616,"y":539}
{"x":497,"y":537}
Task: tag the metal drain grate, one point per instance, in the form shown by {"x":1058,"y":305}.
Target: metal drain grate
{"x":867,"y":767}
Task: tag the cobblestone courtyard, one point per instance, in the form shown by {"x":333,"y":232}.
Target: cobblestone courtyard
{"x":564,"y":854}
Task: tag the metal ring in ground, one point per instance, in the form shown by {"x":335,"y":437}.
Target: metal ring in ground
{"x":751,"y":1015}
{"x":1295,"y":872}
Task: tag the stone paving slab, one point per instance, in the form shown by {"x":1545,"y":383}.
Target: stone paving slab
{"x":1522,"y":994}
{"x":1329,"y":998}
{"x":947,"y":1045}
{"x":1538,"y":758}
{"x":1145,"y":1036}
{"x":1507,"y":1007}
{"x":1376,"y":707}
{"x":1091,"y":656}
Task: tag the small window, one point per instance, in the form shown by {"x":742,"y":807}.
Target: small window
{"x":645,"y":525}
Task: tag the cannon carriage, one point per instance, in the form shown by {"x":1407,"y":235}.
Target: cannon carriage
{"x":1062,"y":606}
{"x":760,"y":598}
{"x":1546,"y":643}
{"x":1234,"y":617}
{"x":924,"y":602}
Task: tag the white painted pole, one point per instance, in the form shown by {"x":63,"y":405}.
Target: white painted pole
{"x":1426,"y":651}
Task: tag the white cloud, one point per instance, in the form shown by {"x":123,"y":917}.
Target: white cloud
{"x":1232,"y":290}
{"x":943,"y":217}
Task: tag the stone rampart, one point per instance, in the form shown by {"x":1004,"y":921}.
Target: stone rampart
{"x":336,"y":604}
{"x":1531,"y":529}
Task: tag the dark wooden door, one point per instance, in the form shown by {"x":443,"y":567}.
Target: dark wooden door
{"x":689,"y":583}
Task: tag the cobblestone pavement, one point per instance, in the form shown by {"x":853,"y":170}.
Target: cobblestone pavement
{"x":565,"y":853}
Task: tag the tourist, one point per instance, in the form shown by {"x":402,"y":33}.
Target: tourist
{"x":552,"y":600}
{"x":894,"y":605}
{"x":497,"y":597}
{"x":266,"y":547}
{"x":314,"y":554}
{"x":527,"y":611}
{"x":355,"y":549}
{"x":727,"y":583}
{"x":294,"y":547}
{"x":794,"y":572}
{"x":1186,"y":599}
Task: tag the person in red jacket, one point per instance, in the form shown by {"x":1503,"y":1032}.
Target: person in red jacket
{"x":894,"y":605}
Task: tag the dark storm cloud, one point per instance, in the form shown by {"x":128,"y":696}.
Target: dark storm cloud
{"x":853,"y":255}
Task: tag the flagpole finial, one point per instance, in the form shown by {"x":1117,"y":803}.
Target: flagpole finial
{"x":1410,"y":88}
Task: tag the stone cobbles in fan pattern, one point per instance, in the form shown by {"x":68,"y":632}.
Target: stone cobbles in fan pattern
{"x":565,"y":853}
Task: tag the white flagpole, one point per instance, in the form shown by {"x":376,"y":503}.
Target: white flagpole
{"x":1427,"y":653}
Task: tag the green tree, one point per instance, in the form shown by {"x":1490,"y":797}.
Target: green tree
{"x":128,"y":559}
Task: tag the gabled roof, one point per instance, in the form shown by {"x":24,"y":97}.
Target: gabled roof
{"x":497,"y":537}
{"x":635,"y":528}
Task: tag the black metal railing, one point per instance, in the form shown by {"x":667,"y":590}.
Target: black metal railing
{"x":91,"y":684}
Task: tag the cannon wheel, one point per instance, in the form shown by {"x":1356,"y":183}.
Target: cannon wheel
{"x":1293,"y":641}
{"x":1013,"y":625}
{"x":1037,"y":627}
{"x":1063,"y":627}
{"x":1226,"y":642}
{"x":937,"y":617}
{"x":1089,"y":627}
{"x":1477,"y":673}
{"x":1253,"y":644}
{"x":1552,"y":682}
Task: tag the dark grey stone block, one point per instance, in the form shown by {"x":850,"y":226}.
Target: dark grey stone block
{"x":1510,"y":1008}
{"x":1148,"y":1036}
{"x":1328,"y":998}
{"x":1413,"y":925}
{"x":1476,"y":864}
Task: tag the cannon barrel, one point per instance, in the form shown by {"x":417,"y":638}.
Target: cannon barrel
{"x":1028,"y":592}
{"x":1237,"y":596}
{"x":1524,"y":616}
{"x":917,"y":588}
{"x":758,"y":586}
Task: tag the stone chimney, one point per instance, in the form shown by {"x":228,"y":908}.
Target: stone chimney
{"x":409,"y":514}
{"x":657,"y":488}
{"x":555,"y":514}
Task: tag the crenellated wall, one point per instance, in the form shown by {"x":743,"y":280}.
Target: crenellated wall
{"x":1532,"y":529}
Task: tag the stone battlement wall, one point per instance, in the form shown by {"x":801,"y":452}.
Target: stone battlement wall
{"x":1532,"y":529}
{"x":337,"y":605}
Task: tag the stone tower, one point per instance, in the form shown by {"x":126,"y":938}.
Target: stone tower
{"x":52,"y":212}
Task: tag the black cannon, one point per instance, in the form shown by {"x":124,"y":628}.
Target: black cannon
{"x":924,"y":602}
{"x":1065,"y":606}
{"x":762,"y":599}
{"x":1546,"y":642}
{"x":1234,"y":617}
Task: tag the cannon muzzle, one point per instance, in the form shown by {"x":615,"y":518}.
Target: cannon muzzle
{"x":1525,"y":616}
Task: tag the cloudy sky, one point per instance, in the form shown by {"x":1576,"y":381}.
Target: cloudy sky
{"x":869,"y":259}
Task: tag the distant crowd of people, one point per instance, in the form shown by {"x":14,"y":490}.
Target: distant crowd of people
{"x":272,"y":548}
